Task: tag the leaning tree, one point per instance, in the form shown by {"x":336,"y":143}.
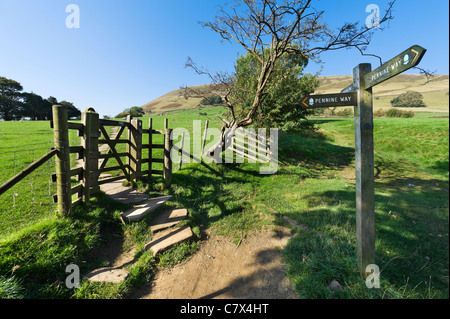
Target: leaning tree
{"x":269,"y":29}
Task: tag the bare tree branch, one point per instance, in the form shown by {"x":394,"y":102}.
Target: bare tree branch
{"x":268,"y":29}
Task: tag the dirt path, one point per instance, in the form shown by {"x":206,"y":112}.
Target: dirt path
{"x":220,"y":269}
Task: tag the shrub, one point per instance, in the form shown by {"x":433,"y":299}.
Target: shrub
{"x":408,"y":99}
{"x":344,"y":112}
{"x":394,"y":113}
{"x":212,"y":100}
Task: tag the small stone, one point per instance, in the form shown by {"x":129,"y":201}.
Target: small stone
{"x":108,"y":275}
{"x":335,"y":286}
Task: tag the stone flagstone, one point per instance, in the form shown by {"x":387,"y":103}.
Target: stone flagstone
{"x":167,"y":238}
{"x":168,"y":218}
{"x":140,"y":211}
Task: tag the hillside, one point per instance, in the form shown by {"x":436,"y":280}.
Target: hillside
{"x":435,"y":92}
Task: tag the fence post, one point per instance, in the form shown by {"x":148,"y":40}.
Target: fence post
{"x":167,"y":171}
{"x":128,"y":150}
{"x":62,"y":160}
{"x":150,"y":147}
{"x":364,"y":162}
{"x":90,"y":121}
{"x":135,"y":139}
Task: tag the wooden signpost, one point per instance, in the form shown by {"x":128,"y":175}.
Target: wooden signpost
{"x":359,"y":95}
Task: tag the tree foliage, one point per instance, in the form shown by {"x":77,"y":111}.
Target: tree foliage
{"x":15,"y":104}
{"x":408,"y":99}
{"x":135,"y":111}
{"x":10,"y":99}
{"x":281,"y":105}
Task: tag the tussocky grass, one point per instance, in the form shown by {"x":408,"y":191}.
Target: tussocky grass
{"x":314,"y":185}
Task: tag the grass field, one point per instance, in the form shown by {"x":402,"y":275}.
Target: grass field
{"x":314,"y":185}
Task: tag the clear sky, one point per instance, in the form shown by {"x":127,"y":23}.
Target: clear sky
{"x":129,"y":52}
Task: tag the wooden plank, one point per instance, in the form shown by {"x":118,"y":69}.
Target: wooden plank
{"x":112,"y":142}
{"x":24,"y":173}
{"x":104,"y":122}
{"x":158,"y":146}
{"x":110,"y":180}
{"x":90,"y":120}
{"x":116,"y":154}
{"x":158,"y":160}
{"x":111,"y":169}
{"x":123,"y":194}
{"x":108,"y":156}
{"x":167,"y":176}
{"x":76,"y":189}
{"x":401,"y":63}
{"x":134,"y":160}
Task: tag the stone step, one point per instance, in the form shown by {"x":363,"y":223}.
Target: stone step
{"x":168,"y":218}
{"x":167,"y":238}
{"x":140,"y":211}
{"x":123,"y":194}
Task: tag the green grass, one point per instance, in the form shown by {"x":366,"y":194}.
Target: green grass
{"x":314,"y":185}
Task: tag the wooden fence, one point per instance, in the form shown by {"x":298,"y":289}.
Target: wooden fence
{"x":91,"y":162}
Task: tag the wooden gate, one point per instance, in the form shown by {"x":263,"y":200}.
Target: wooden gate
{"x":106,"y":146}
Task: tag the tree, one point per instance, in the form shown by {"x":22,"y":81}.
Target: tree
{"x":10,"y":99}
{"x":36,"y":107}
{"x":72,"y":111}
{"x":267,"y":29}
{"x":281,"y":106}
{"x":408,"y":99}
{"x":137,"y":111}
{"x":212,"y":100}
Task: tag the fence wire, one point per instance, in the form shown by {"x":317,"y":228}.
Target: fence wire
{"x":30,"y":200}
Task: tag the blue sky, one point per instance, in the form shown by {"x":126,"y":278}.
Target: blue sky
{"x":129,"y":52}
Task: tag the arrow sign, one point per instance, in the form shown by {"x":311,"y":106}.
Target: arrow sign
{"x":329,"y":100}
{"x":402,"y":62}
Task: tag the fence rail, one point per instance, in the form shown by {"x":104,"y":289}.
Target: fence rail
{"x":27,"y":171}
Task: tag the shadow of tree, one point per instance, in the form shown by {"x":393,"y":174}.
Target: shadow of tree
{"x":412,"y":248}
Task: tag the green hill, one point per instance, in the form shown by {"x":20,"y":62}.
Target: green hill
{"x":435,"y":92}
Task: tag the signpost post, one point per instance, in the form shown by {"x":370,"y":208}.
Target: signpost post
{"x":359,"y":95}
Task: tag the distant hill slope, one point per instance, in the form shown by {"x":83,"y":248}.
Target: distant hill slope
{"x":435,"y":92}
